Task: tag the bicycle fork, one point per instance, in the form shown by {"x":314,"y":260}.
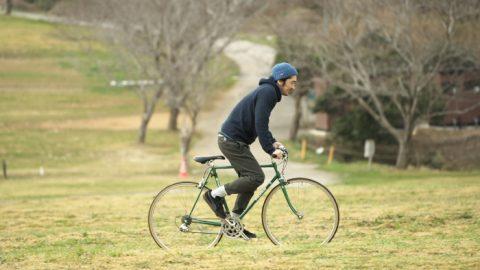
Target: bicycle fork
{"x":297,"y":213}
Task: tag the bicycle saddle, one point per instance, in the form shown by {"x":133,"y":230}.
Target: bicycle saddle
{"x":204,"y":160}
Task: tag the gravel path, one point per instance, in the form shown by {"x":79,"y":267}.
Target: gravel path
{"x":255,"y":61}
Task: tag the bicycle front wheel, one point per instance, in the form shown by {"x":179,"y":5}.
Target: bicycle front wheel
{"x":171,"y":224}
{"x":318,"y":215}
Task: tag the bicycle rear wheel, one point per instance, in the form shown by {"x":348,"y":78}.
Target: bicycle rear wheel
{"x":170,"y":222}
{"x":318,"y":208}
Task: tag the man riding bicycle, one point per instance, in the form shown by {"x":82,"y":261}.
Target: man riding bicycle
{"x":249,"y":119}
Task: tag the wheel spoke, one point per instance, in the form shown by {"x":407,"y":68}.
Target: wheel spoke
{"x":168,"y":209}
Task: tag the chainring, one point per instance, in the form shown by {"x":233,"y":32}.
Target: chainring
{"x":232,"y":227}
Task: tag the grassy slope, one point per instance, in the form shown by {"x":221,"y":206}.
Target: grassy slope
{"x":89,"y":210}
{"x":48,"y":75}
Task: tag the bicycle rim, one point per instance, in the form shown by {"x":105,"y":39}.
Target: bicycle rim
{"x":314,"y":201}
{"x":168,"y":211}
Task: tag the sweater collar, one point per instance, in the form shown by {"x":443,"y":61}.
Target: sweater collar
{"x":273,"y":83}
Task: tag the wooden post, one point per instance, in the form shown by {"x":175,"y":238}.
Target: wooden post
{"x":330,"y":154}
{"x":303,"y":151}
{"x":4,"y":165}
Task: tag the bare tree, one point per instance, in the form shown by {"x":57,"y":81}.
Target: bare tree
{"x":390,"y":53}
{"x":177,"y":38}
{"x":181,"y":37}
{"x":150,"y":95}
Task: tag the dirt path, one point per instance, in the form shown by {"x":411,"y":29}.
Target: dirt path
{"x":255,"y":61}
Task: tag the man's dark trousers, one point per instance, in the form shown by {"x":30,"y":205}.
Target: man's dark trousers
{"x":249,"y":171}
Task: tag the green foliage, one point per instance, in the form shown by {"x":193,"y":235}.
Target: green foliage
{"x":357,"y":126}
{"x":332,"y":101}
{"x":352,"y":123}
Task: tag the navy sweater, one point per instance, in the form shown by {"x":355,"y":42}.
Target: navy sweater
{"x":250,"y":116}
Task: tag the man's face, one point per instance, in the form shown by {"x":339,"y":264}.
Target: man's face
{"x":288,"y":87}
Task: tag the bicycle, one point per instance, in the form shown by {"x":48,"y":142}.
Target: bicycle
{"x":307,"y":212}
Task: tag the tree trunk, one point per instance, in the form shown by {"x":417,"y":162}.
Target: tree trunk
{"x":8,"y":7}
{"x":186,"y":141}
{"x":146,"y":116}
{"x":148,"y":110}
{"x":297,"y":117}
{"x":403,"y":152}
{"x":172,"y":122}
{"x":142,"y":134}
{"x":186,"y":138}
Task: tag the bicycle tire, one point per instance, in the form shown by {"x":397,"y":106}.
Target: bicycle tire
{"x":282,"y":226}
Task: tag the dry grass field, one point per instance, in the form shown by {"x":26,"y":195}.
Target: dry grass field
{"x":95,"y":217}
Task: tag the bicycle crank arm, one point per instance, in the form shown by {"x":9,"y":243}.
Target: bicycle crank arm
{"x":245,"y":237}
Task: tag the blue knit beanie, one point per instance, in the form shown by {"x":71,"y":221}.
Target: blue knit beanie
{"x":282,"y":71}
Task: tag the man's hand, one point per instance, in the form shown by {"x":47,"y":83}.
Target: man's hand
{"x":278,"y":154}
{"x":278,"y":145}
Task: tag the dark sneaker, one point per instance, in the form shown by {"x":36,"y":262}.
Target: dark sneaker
{"x":248,"y":234}
{"x":215,"y":204}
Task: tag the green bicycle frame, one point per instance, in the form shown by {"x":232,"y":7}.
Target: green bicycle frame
{"x":212,"y":172}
